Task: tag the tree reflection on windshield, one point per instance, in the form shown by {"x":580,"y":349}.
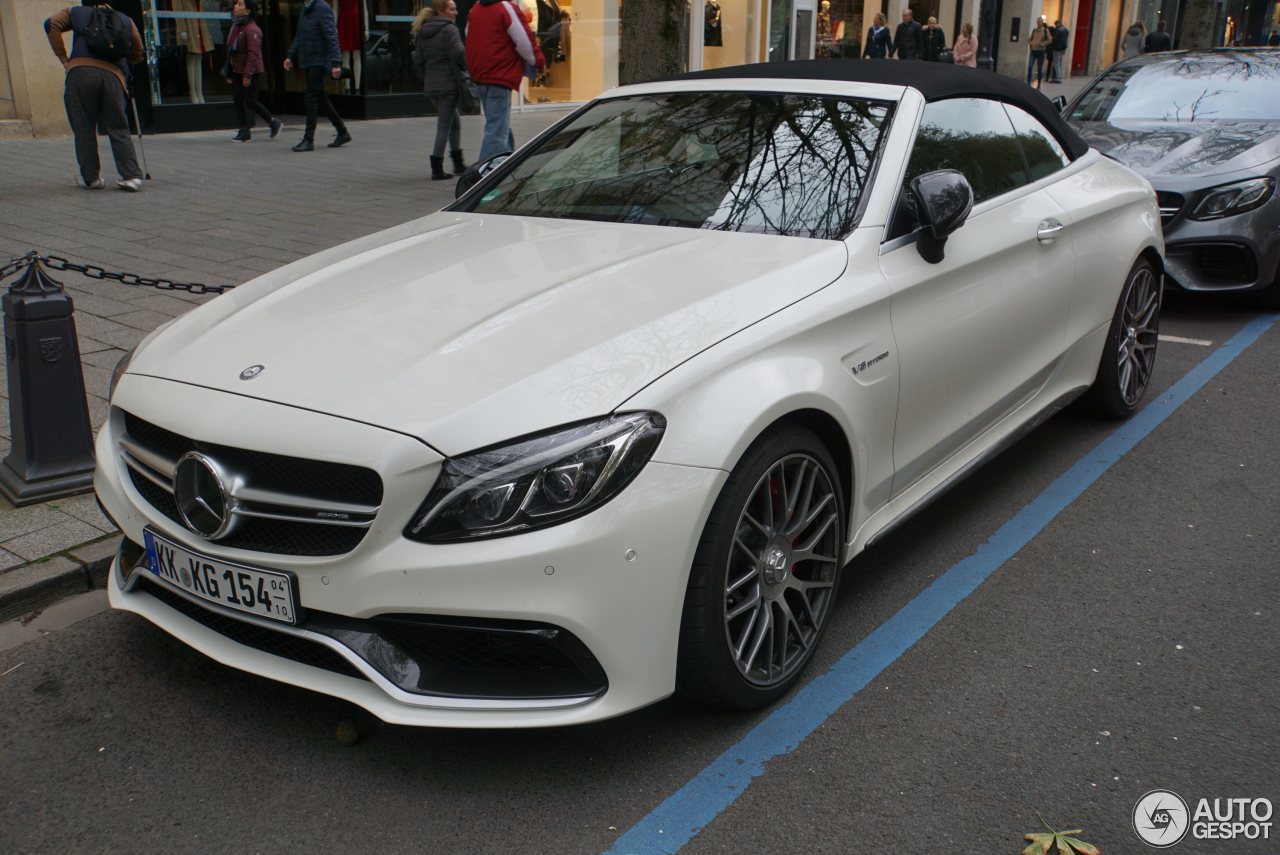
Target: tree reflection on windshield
{"x":1193,"y":88}
{"x":772,"y":163}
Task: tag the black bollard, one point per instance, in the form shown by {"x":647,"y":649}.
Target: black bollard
{"x":52,"y":454}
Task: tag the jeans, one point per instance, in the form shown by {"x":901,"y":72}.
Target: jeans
{"x":1056,"y":75}
{"x":448,"y":125}
{"x":246,"y":100}
{"x":1037,"y":60}
{"x":95,"y":99}
{"x":496,"y":101}
{"x":315,"y":100}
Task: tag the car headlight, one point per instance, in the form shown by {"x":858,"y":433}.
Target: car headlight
{"x":119,"y":371}
{"x":1234,"y":199}
{"x":536,"y":481}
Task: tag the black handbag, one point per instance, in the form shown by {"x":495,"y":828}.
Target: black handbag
{"x":468,"y":97}
{"x":945,"y":55}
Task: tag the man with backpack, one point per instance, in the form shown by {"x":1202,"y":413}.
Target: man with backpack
{"x":104,"y":43}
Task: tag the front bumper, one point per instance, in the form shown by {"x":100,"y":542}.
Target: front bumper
{"x":1238,"y":253}
{"x":577,"y":576}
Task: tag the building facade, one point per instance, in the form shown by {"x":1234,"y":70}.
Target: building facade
{"x":179,"y":86}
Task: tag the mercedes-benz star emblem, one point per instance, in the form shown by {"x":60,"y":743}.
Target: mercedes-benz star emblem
{"x":198,"y":489}
{"x":252,"y":371}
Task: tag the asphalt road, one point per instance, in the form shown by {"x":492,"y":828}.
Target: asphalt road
{"x":1131,"y":645}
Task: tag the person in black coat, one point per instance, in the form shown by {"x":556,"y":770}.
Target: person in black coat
{"x":315,"y":51}
{"x":1061,"y":37}
{"x":932,"y":41}
{"x":443,"y":60}
{"x":1159,"y":40}
{"x":906,"y":41}
{"x":879,"y":43}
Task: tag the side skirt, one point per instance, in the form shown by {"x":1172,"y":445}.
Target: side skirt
{"x":1054,"y":407}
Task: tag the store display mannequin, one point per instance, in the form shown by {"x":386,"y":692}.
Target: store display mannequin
{"x":712,"y":35}
{"x":824,"y":31}
{"x":193,"y":33}
{"x":347,"y":16}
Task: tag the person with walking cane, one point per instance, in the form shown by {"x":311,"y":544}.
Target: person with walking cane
{"x":244,"y":61}
{"x":104,"y":43}
{"x":315,"y":51}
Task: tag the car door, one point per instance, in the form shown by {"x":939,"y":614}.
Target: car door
{"x":979,"y":332}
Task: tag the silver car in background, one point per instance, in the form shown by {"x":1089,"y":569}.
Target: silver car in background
{"x":1204,"y":128}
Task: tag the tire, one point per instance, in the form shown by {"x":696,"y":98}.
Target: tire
{"x":782,"y":501}
{"x":1129,"y":355}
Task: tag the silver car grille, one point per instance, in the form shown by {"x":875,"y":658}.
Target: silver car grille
{"x":286,"y":505}
{"x":1170,"y":206}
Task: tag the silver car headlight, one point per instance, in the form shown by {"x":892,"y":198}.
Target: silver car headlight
{"x":119,"y":371}
{"x":537,"y":481}
{"x":1238,"y":198}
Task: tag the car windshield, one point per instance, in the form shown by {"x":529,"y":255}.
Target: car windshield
{"x":735,"y":161}
{"x":1186,"y":89}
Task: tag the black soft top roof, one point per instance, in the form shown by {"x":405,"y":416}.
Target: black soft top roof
{"x":934,"y":80}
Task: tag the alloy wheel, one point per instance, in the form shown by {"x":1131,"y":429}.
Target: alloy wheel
{"x":782,"y":569}
{"x":1138,"y":336}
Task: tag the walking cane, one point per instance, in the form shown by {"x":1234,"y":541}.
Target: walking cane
{"x":137,"y":123}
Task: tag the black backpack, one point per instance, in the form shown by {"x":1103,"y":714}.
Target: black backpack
{"x":108,"y":33}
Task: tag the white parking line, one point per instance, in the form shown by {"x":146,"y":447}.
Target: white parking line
{"x":1177,"y":339}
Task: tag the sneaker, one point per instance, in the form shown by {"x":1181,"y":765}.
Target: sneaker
{"x":242,"y":135}
{"x":89,"y":185}
{"x":341,"y":139}
{"x":305,"y":145}
{"x":133,"y":185}
{"x":276,"y":125}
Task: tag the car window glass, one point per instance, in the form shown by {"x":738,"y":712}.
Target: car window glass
{"x":769,"y":163}
{"x":972,"y":135}
{"x":1185,"y":89}
{"x":1044,"y":154}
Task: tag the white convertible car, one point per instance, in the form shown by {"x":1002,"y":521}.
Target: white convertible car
{"x":608,"y":427}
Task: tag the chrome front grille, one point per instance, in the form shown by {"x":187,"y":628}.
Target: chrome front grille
{"x":284,"y":505}
{"x":1170,"y":205}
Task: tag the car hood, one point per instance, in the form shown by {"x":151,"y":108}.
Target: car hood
{"x":1185,"y":149}
{"x":465,"y":330}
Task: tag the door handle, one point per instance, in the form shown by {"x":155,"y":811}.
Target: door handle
{"x":1048,"y":230}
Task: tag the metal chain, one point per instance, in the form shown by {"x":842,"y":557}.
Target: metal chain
{"x":93,"y":271}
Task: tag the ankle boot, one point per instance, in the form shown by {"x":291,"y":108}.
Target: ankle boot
{"x":437,"y":169}
{"x":459,"y":165}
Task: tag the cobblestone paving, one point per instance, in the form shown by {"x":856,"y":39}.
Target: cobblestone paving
{"x":214,"y":212}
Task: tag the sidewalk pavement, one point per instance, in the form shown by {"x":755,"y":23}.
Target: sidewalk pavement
{"x":214,"y":212}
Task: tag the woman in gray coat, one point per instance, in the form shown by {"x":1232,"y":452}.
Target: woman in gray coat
{"x":442,"y":58}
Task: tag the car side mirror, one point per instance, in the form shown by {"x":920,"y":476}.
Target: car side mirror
{"x":1060,"y":103}
{"x":472,"y":175}
{"x":943,"y":201}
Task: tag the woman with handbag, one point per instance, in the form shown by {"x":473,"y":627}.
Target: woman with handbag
{"x":443,"y":60}
{"x":934,"y":42}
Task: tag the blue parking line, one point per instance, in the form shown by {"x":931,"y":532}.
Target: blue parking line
{"x":674,"y":823}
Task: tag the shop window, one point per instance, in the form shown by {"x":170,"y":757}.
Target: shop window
{"x":186,"y":45}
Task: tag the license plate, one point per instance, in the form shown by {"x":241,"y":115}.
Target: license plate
{"x":265,"y":593}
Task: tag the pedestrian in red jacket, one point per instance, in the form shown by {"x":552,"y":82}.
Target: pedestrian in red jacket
{"x":500,"y":46}
{"x":244,"y":48}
